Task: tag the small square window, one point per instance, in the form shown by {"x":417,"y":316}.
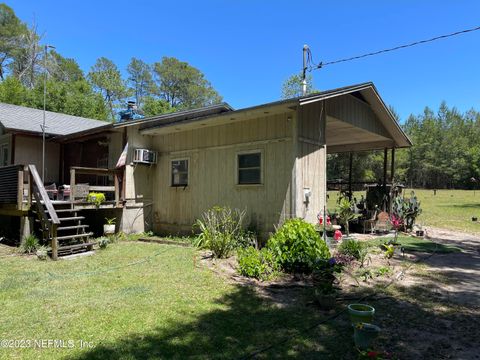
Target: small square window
{"x":180,"y":172}
{"x":250,"y":168}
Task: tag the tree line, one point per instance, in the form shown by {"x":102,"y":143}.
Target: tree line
{"x":164,"y":86}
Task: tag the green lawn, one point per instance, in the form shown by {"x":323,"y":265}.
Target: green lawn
{"x":141,"y":301}
{"x":449,"y":209}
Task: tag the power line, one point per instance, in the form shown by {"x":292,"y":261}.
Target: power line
{"x":321,"y":64}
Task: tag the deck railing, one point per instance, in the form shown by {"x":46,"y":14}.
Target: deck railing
{"x":76,"y":188}
{"x":12,"y":187}
{"x":46,"y":212}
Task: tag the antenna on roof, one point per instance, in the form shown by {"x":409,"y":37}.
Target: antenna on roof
{"x":304,"y":70}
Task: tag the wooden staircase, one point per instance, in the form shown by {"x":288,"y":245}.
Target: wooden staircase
{"x":60,"y":224}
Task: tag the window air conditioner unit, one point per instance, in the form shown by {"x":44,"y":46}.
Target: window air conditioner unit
{"x":144,"y":156}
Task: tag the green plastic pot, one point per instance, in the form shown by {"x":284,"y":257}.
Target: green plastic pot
{"x":364,"y":334}
{"x":361,"y":313}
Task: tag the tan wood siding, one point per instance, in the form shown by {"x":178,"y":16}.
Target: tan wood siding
{"x":311,"y":161}
{"x":355,"y":112}
{"x":212,"y":154}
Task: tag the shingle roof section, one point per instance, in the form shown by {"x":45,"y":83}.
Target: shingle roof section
{"x":25,"y":119}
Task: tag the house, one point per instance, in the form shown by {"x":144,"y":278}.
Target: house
{"x":269,"y":159}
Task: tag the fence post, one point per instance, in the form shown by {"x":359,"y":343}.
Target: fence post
{"x":53,"y":234}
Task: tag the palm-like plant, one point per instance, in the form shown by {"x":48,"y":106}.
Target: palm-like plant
{"x":346,"y":214}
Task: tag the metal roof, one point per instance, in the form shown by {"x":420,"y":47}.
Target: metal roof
{"x":182,"y":115}
{"x":25,"y":119}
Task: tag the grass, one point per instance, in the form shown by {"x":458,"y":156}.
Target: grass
{"x":448,"y":209}
{"x":139,"y":300}
{"x":411,"y":243}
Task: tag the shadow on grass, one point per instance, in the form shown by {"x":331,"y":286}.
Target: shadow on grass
{"x":464,"y":206}
{"x":242,"y":324}
{"x":417,"y":321}
{"x":425,"y":321}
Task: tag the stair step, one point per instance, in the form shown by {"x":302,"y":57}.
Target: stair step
{"x":72,"y":227}
{"x":69,"y":237}
{"x":71,"y":218}
{"x":65,"y":210}
{"x":76,"y":246}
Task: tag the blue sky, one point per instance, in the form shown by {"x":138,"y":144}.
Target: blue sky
{"x":247,"y":48}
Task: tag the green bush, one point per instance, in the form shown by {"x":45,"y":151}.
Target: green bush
{"x":297,"y":247}
{"x":29,"y":244}
{"x":96,"y":198}
{"x":42,"y":253}
{"x":103,"y":242}
{"x":221,"y":231}
{"x":259,"y":264}
{"x":351,"y":247}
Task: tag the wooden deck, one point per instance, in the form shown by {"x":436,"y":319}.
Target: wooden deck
{"x":23,"y":194}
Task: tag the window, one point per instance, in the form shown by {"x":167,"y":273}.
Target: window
{"x":180,"y":172}
{"x":250,"y":168}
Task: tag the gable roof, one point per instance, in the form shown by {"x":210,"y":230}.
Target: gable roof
{"x":28,"y":120}
{"x":366,"y":91}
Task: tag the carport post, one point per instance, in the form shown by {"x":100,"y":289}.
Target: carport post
{"x":392,"y":168}
{"x":385,"y":155}
{"x":350,"y":165}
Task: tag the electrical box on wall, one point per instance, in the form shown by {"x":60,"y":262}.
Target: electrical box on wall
{"x":144,"y":156}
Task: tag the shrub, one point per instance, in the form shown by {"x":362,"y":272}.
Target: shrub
{"x":406,"y":210}
{"x":297,"y":247}
{"x":351,"y":247}
{"x":96,"y":198}
{"x":259,"y":264}
{"x":42,"y":253}
{"x":29,"y":244}
{"x":103,"y":242}
{"x":221,"y":230}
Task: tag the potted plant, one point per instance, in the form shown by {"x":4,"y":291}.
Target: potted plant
{"x":109,"y":227}
{"x":96,"y":198}
{"x":364,"y":334}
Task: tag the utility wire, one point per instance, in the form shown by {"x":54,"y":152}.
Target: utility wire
{"x":321,"y":64}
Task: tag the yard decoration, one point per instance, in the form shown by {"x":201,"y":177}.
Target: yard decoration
{"x":364,"y":334}
{"x":361,"y":313}
{"x":337,"y":235}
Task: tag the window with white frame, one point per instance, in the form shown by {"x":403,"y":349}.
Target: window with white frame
{"x":249,"y":168}
{"x":179,"y":172}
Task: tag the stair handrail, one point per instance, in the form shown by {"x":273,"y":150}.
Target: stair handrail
{"x":43,"y":196}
